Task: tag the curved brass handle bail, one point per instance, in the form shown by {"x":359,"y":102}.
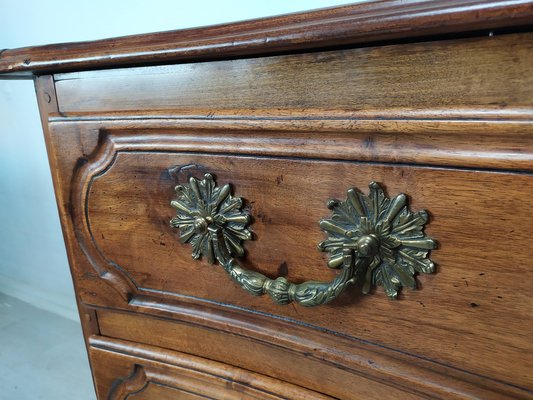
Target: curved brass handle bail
{"x":372,"y":239}
{"x":282,"y":291}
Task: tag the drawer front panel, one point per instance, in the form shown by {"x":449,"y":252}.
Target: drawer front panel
{"x":126,"y":370}
{"x":341,"y":367}
{"x":488,"y":72}
{"x":475,"y":304}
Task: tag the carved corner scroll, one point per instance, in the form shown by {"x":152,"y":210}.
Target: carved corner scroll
{"x":102,"y":159}
{"x":135,"y":383}
{"x":372,"y":239}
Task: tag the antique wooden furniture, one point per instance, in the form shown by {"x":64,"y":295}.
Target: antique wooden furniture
{"x":432,"y":99}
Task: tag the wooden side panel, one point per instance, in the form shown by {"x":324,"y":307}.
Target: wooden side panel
{"x":482,"y":72}
{"x":47,"y":100}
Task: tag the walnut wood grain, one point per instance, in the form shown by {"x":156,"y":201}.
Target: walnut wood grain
{"x":500,"y":143}
{"x":126,"y":215}
{"x":487,"y":72}
{"x":47,"y":100}
{"x":346,"y":25}
{"x":192,"y":269}
{"x":138,"y":372}
{"x":447,"y":120}
{"x":334,"y":364}
{"x":435,"y":189}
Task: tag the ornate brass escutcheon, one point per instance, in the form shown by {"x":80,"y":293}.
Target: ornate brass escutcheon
{"x":372,"y":239}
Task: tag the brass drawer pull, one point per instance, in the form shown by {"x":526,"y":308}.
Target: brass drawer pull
{"x":371,"y":238}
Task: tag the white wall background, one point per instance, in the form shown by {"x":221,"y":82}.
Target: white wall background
{"x":33,"y":263}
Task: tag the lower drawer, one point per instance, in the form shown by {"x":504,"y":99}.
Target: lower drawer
{"x":339,"y":367}
{"x":127,"y":370}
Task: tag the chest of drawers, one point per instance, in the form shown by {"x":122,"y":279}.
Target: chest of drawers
{"x":359,"y":104}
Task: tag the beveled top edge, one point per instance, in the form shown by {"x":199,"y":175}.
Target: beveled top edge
{"x":319,"y":29}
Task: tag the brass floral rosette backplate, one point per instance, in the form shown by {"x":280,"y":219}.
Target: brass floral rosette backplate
{"x":372,"y":239}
